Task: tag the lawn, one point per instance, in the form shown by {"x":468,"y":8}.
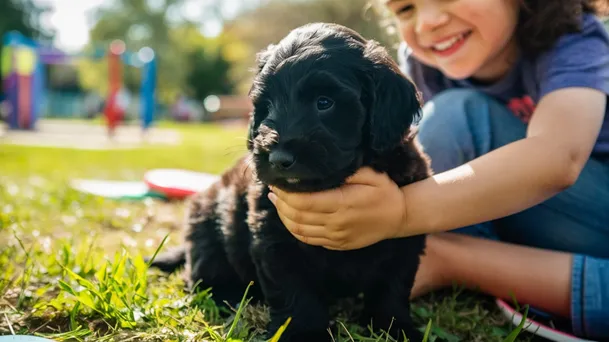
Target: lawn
{"x":72,"y":267}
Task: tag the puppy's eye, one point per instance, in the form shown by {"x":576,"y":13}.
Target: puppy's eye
{"x":324,"y":103}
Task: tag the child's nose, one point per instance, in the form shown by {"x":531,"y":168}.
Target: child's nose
{"x":429,"y":16}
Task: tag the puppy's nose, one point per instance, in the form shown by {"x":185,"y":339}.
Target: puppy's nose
{"x":281,"y":159}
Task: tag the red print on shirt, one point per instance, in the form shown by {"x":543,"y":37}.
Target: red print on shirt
{"x":522,"y":107}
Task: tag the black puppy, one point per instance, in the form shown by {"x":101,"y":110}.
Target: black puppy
{"x":326,"y":102}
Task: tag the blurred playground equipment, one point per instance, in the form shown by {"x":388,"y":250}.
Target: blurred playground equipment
{"x":23,"y":63}
{"x":186,"y":109}
{"x":227,"y":107}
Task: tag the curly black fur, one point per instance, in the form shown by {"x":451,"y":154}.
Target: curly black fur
{"x":326,"y":102}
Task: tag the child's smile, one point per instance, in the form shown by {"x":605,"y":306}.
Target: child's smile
{"x":462,"y":38}
{"x":447,"y":46}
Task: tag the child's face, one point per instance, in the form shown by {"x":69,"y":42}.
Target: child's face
{"x":462,"y":38}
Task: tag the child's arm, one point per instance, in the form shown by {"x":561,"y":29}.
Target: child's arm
{"x":507,"y":180}
{"x":514,"y":177}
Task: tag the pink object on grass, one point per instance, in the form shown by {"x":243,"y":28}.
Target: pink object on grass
{"x":178,"y":184}
{"x":535,"y":327}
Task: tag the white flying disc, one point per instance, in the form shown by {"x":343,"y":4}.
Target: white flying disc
{"x":124,"y":190}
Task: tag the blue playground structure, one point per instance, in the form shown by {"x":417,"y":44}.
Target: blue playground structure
{"x":23,"y":61}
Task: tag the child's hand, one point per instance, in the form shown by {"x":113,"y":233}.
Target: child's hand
{"x":368,"y":209}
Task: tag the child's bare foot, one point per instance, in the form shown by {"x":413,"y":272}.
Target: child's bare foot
{"x":433,"y":271}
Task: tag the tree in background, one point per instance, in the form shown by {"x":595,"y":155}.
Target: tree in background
{"x":188,"y":62}
{"x":207,"y":73}
{"x":193,"y":64}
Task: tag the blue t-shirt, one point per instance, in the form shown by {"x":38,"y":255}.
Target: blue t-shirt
{"x":577,"y":60}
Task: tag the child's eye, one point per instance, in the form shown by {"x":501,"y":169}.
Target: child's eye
{"x":404,"y":9}
{"x":401,"y":8}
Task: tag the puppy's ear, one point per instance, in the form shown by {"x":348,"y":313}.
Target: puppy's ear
{"x":263,"y":56}
{"x":394,"y":102}
{"x":250,"y":133}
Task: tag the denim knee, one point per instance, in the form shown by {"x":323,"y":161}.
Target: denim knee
{"x":455,"y":128}
{"x":590,"y":297}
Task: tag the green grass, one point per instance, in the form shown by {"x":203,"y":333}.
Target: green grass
{"x":72,"y":264}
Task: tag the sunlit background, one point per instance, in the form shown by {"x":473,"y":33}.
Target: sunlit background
{"x":203,"y":48}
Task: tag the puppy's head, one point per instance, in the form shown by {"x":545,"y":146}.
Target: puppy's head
{"x":326,"y":102}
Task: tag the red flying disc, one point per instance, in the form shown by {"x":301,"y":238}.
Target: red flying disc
{"x":178,"y":184}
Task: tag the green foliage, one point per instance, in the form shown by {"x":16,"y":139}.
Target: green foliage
{"x":187,"y":61}
{"x":207,"y":74}
{"x":197,"y":65}
{"x":23,"y":16}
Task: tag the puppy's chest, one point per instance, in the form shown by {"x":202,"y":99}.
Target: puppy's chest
{"x":351,"y":270}
{"x":338,"y":273}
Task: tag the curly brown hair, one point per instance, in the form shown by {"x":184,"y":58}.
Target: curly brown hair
{"x":541,"y":22}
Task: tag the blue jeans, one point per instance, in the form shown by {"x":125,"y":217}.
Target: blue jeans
{"x":460,"y":125}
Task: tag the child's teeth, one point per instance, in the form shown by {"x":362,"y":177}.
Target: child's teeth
{"x":445,"y":45}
